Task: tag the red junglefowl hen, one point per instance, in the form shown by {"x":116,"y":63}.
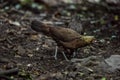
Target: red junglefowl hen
{"x":65,"y":37}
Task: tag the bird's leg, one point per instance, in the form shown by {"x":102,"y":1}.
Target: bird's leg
{"x":74,"y":54}
{"x":65,"y":56}
{"x":56,"y":51}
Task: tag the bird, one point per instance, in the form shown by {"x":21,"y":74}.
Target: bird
{"x":69,"y":39}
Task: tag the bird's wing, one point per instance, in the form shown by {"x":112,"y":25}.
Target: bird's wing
{"x":64,"y":34}
{"x":73,"y":44}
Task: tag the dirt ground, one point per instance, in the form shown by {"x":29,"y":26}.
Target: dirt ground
{"x":32,"y":53}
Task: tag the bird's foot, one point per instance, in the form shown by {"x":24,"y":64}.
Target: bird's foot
{"x":55,"y":57}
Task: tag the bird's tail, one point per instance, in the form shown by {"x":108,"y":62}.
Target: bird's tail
{"x":40,"y":27}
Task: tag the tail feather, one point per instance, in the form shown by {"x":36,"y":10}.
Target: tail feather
{"x":40,"y":27}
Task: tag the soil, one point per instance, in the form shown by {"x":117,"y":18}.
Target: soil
{"x":32,"y":53}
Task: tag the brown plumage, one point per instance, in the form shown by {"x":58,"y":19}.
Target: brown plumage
{"x":65,"y":37}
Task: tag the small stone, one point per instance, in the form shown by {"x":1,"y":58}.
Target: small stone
{"x":21,"y":50}
{"x":34,"y":37}
{"x":29,"y":65}
{"x":14,"y":23}
{"x":59,"y":75}
{"x":72,"y":74}
{"x":30,"y":55}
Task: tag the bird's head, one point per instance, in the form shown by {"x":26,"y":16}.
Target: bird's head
{"x":88,"y":39}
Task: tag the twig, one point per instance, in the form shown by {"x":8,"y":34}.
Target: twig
{"x":11,"y":71}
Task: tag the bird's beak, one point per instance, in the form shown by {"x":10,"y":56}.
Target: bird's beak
{"x":89,"y":39}
{"x":94,"y":40}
